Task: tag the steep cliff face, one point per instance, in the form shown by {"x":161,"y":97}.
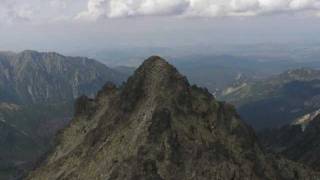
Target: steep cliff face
{"x":159,"y":127}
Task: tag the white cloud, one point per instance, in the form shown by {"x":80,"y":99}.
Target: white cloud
{"x":40,"y":11}
{"x":58,"y":4}
{"x":11,"y":12}
{"x":126,"y":8}
{"x":196,"y":8}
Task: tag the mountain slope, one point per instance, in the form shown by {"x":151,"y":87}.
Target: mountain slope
{"x":33,"y":77}
{"x":17,"y":148}
{"x":36,"y":88}
{"x":159,"y":127}
{"x":278,"y":100}
{"x":37,"y":91}
{"x":299,"y":142}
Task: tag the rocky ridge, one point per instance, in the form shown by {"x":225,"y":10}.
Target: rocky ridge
{"x":159,"y":127}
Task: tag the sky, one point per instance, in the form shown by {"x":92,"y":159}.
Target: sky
{"x":71,"y":26}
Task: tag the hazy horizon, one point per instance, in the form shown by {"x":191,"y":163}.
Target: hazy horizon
{"x":89,"y":27}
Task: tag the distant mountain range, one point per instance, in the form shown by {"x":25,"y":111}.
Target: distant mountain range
{"x":215,"y":72}
{"x":219,"y":72}
{"x":32,"y":77}
{"x":278,"y":100}
{"x":37,"y":91}
{"x":158,"y":127}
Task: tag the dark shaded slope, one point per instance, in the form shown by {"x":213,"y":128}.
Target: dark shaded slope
{"x":17,"y":148}
{"x":295,"y":142}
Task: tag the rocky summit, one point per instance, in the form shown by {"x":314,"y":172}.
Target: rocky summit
{"x":158,"y":127}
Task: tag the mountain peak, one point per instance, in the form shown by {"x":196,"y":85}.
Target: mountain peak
{"x":158,"y":127}
{"x":157,"y":66}
{"x":154,"y":78}
{"x":154,"y":59}
{"x":156,"y":74}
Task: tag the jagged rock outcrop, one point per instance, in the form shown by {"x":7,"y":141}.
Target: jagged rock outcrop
{"x":158,"y":127}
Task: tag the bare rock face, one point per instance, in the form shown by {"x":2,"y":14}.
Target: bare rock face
{"x":158,"y":127}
